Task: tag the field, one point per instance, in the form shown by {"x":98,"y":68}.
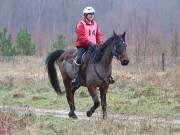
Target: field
{"x":141,"y":91}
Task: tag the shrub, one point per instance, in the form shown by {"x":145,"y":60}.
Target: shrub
{"x":25,"y":46}
{"x":6,"y":46}
{"x":59,"y":43}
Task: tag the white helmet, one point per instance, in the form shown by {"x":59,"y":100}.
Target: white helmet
{"x":88,"y":10}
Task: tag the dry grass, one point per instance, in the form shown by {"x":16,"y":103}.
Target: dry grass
{"x":27,"y":123}
{"x":49,"y":125}
{"x":11,"y":122}
{"x":138,"y":90}
{"x":22,"y":70}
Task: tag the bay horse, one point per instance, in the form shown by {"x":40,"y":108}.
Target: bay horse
{"x":96,"y":74}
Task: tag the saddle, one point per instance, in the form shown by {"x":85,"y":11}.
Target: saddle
{"x":70,"y":56}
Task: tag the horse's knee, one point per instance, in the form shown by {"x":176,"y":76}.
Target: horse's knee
{"x":96,"y":104}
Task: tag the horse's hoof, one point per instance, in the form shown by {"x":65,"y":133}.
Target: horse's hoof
{"x":72,"y":115}
{"x":89,"y":113}
{"x":104,"y":116}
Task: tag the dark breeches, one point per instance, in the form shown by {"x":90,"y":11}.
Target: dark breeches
{"x":80,"y":52}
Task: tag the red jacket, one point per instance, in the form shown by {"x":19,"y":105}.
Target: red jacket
{"x":82,"y":39}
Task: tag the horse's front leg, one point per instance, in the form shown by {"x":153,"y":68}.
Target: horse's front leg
{"x":103,"y":91}
{"x":93,"y":93}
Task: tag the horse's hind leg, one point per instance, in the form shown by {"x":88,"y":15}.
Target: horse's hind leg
{"x":70,"y":98}
{"x":103,"y":91}
{"x":93,"y":93}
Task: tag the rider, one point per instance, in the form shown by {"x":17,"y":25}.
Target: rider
{"x":88,"y":36}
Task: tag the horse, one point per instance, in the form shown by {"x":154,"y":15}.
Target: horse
{"x":96,"y":74}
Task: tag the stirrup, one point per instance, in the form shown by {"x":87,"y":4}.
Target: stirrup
{"x":75,"y":82}
{"x":111,"y":80}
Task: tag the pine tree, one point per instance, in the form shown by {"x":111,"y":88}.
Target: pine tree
{"x":25,"y":46}
{"x":6,"y":46}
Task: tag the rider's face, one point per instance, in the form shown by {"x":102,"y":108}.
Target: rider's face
{"x":90,"y":17}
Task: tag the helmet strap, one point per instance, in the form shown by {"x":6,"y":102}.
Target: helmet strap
{"x":85,"y":15}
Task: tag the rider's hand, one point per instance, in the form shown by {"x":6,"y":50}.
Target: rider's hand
{"x":101,"y":43}
{"x":92,"y":47}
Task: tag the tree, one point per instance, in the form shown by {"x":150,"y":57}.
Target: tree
{"x":25,"y":46}
{"x":59,"y":43}
{"x":6,"y":46}
{"x":175,"y":46}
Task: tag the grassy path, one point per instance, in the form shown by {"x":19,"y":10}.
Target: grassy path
{"x":82,"y":115}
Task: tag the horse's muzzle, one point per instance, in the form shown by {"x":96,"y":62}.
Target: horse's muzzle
{"x":125,"y":62}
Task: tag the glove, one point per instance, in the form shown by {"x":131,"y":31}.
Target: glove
{"x":92,"y":47}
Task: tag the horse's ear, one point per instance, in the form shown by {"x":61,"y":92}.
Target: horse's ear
{"x":124,"y":34}
{"x":114,"y":33}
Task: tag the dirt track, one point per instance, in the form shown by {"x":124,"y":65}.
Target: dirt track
{"x":82,"y":115}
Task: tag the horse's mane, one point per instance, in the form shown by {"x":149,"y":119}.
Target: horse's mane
{"x":100,"y":51}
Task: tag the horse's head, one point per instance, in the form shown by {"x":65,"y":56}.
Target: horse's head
{"x":119,"y":50}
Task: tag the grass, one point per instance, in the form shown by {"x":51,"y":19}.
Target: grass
{"x":24,"y":81}
{"x":49,"y":125}
{"x":28,"y":123}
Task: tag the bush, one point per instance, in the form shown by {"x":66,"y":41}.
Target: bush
{"x":59,"y":43}
{"x":25,"y":46}
{"x":6,"y":46}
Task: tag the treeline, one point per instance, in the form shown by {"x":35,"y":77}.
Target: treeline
{"x":24,"y":44}
{"x":48,"y":18}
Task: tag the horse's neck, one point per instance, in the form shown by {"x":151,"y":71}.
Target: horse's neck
{"x":107,"y":56}
{"x":104,"y":67}
{"x":101,"y":64}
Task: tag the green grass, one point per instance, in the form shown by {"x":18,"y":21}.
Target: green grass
{"x":42,"y":96}
{"x":24,"y":81}
{"x":147,"y":100}
{"x":150,"y":100}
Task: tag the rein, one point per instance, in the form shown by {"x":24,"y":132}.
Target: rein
{"x":99,"y":76}
{"x":104,"y":80}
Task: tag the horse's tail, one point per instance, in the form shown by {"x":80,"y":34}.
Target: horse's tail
{"x":50,"y":60}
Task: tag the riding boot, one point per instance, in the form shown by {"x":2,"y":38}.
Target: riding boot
{"x":76,"y":82}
